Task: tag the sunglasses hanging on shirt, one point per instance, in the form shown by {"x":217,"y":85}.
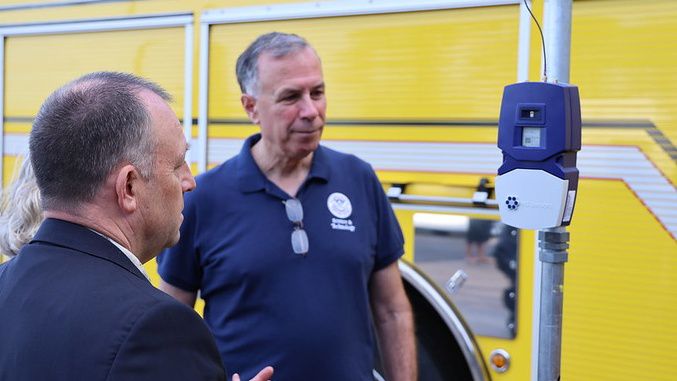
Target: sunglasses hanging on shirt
{"x":299,"y":238}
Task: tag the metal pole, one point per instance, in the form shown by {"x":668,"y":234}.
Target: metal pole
{"x":552,"y":245}
{"x":553,"y":242}
{"x":557,"y":36}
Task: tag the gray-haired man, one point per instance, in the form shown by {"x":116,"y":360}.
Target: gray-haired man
{"x":293,"y":245}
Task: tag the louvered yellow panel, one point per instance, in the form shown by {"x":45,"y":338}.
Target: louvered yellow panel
{"x":121,"y":8}
{"x":40,"y":64}
{"x":10,"y":3}
{"x":620,"y":286}
{"x":620,"y":293}
{"x":623,"y":57}
{"x":423,"y":65}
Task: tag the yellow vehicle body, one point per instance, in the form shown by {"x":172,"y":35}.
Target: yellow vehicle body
{"x":415,"y":87}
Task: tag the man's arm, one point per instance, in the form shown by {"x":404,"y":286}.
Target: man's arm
{"x":186,"y":297}
{"x":394,"y":324}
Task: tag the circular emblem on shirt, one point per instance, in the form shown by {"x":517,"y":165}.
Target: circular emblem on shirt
{"x":339,"y":205}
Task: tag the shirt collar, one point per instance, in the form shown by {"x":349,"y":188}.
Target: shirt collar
{"x":127,"y":254}
{"x":251,"y":179}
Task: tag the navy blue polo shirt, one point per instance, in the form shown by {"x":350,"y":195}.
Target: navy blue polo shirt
{"x":305,"y":315}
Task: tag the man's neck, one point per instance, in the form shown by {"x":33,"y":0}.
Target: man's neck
{"x":90,"y":217}
{"x":287,"y":173}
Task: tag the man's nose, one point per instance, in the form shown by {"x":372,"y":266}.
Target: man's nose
{"x":188,"y":181}
{"x":308,"y":108}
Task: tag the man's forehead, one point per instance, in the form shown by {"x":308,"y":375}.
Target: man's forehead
{"x":298,"y":69}
{"x":268,"y":62}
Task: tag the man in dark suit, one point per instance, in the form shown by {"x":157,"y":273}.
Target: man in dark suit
{"x":109,"y":158}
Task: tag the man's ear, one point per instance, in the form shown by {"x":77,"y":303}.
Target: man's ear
{"x":127,"y":186}
{"x":249,"y":105}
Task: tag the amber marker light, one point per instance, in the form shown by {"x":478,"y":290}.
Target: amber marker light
{"x":499,"y":360}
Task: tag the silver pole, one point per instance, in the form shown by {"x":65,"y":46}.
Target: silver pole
{"x":557,"y":36}
{"x":553,"y":242}
{"x":552,"y":245}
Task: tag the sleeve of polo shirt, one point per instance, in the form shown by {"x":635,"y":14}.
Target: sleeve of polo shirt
{"x":180,"y":264}
{"x":390,"y":245}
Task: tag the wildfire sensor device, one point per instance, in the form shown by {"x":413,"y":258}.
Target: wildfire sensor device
{"x":539,"y":133}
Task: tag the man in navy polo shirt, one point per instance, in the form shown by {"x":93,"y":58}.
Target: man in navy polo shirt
{"x":293,"y":246}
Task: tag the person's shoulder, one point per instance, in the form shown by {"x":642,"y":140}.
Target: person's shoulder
{"x":215,"y":181}
{"x":133,"y":291}
{"x":149,"y":303}
{"x":172,"y":342}
{"x":345,"y":161}
{"x":224,"y":172}
{"x":163,"y":315}
{"x":162,"y":304}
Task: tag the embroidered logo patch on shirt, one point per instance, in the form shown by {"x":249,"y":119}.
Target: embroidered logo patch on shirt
{"x":340,"y":207}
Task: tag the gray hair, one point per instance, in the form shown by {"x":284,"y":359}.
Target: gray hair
{"x":276,"y":44}
{"x":87,"y":128}
{"x":20,"y":214}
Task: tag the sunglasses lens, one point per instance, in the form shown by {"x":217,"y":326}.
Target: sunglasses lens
{"x":299,"y":241}
{"x":294,"y":210}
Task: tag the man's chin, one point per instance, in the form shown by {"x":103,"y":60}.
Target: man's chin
{"x":309,"y":144}
{"x":173,"y":241}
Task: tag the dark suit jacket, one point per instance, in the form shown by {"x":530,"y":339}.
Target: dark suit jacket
{"x":73,"y":307}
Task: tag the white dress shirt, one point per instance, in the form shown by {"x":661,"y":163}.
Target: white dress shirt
{"x":128,"y":254}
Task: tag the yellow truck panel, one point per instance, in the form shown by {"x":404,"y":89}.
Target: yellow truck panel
{"x":40,"y":64}
{"x":423,"y":65}
{"x":623,"y":58}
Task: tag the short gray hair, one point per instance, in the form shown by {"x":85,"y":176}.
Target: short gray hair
{"x":20,"y":215}
{"x":87,"y":128}
{"x":276,"y":44}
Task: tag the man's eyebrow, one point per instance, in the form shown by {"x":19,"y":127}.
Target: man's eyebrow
{"x":293,"y":90}
{"x":287,"y":91}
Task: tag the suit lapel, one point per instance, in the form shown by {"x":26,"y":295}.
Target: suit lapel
{"x":77,"y":237}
